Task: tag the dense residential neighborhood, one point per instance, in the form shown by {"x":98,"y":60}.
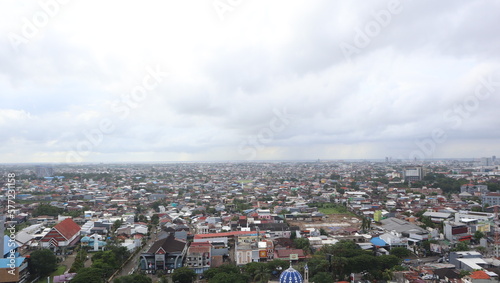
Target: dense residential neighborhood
{"x":322,"y":221}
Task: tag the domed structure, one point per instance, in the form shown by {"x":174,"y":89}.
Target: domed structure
{"x":291,"y":276}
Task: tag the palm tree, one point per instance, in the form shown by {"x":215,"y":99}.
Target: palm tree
{"x":261,"y":274}
{"x":387,"y":274}
{"x":366,"y":224}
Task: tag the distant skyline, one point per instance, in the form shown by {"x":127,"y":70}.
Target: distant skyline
{"x":167,"y":81}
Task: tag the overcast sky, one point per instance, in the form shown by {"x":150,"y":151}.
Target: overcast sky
{"x":118,"y":81}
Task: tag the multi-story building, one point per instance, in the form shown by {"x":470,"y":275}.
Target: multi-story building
{"x":491,"y":199}
{"x":198,"y":256}
{"x":456,"y":231}
{"x":473,"y":189}
{"x":413,"y":174}
{"x":266,"y":250}
{"x":486,"y":161}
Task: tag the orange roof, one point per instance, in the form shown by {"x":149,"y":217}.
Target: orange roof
{"x":68,"y":228}
{"x":479,"y":274}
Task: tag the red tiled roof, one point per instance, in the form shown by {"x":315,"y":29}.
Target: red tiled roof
{"x":479,"y":274}
{"x":68,"y":228}
{"x":226,"y":234}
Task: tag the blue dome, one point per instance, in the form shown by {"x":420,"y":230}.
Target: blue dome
{"x":290,"y":276}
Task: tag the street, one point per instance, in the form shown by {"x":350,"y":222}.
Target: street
{"x":130,"y":266}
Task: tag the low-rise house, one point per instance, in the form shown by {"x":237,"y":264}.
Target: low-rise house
{"x":468,"y":260}
{"x":284,"y":254}
{"x":481,"y":276}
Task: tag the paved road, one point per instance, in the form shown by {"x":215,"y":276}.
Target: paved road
{"x":130,"y":267}
{"x":68,"y":261}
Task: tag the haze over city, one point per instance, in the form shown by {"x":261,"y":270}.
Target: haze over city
{"x":123,"y":81}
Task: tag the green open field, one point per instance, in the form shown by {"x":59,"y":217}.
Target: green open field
{"x":333,"y":209}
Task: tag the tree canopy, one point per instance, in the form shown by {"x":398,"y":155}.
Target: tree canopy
{"x":90,"y":274}
{"x":42,"y":262}
{"x":228,"y":273}
{"x":400,"y":252}
{"x":134,"y":278}
{"x":47,"y":209}
{"x":183,"y":275}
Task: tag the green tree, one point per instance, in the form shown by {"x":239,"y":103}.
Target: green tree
{"x":322,"y":277}
{"x":400,"y":252}
{"x":252,"y":268}
{"x":345,"y":248}
{"x":121,"y":253}
{"x":427,"y":222}
{"x":317,"y":264}
{"x":87,"y":275}
{"x":477,"y":208}
{"x":134,"y":278}
{"x":79,"y":262}
{"x":155,"y":219}
{"x":339,"y":265}
{"x":183,"y":275}
{"x":117,"y":224}
{"x":387,"y":261}
{"x":156,"y":205}
{"x":461,"y":247}
{"x":481,"y":249}
{"x":278,"y":264}
{"x":366,"y":224}
{"x":387,"y":275}
{"x":302,"y":243}
{"x":478,"y":235}
{"x":140,"y":218}
{"x":47,"y":209}
{"x":106,"y":261}
{"x":42,"y":262}
{"x":463,"y":273}
{"x":261,"y":274}
{"x":229,"y":278}
{"x":229,"y":273}
{"x":362,"y":262}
